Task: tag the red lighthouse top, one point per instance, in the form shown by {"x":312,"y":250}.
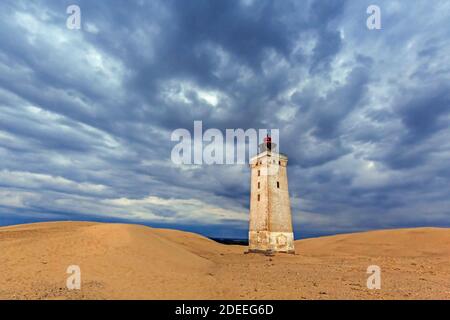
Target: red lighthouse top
{"x":267,"y":145}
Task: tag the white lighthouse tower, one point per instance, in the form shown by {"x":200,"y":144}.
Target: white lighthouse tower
{"x":270,"y":210}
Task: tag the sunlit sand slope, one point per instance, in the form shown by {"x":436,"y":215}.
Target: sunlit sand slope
{"x":120,"y":261}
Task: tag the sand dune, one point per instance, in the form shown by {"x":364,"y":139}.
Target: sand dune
{"x":419,"y":242}
{"x":121,"y":261}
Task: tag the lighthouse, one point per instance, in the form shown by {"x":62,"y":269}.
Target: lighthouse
{"x":270,"y":227}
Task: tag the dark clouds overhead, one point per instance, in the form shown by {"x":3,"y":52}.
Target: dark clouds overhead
{"x":86,"y":116}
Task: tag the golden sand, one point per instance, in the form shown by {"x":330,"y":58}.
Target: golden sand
{"x":120,"y":261}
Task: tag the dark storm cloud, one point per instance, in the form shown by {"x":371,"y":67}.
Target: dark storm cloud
{"x":86,"y":116}
{"x":425,"y":113}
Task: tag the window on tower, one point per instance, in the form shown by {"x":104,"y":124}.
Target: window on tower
{"x":278,"y":184}
{"x":259,"y":173}
{"x":259,"y":184}
{"x":258,"y":197}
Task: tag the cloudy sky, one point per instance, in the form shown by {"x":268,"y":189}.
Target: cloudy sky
{"x":86,"y":115}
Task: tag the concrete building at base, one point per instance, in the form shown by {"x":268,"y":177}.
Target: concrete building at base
{"x":270,"y":227}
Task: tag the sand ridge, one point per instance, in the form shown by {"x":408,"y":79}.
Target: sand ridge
{"x":125,"y":261}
